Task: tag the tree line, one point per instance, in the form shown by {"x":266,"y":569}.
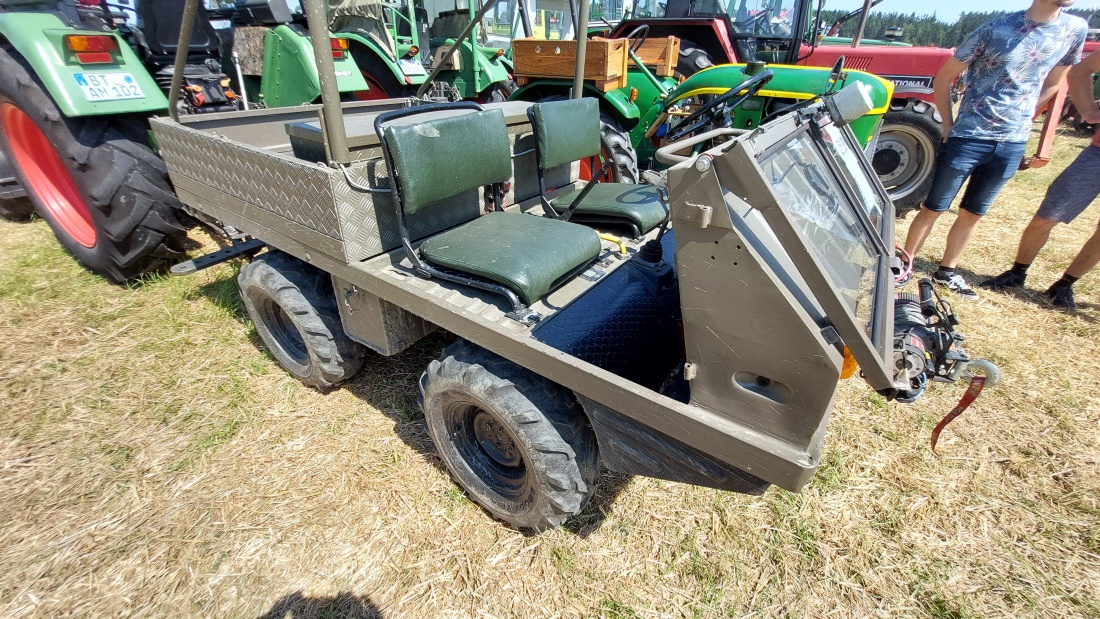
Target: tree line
{"x":924,"y":29}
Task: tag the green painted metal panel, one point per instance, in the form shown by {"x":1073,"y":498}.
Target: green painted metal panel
{"x":290,"y":74}
{"x":385,"y":57}
{"x":38,"y":39}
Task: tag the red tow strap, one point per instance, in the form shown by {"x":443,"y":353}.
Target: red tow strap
{"x":976,"y":384}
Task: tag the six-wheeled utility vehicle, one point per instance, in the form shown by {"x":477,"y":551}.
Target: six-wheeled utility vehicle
{"x":696,"y":335}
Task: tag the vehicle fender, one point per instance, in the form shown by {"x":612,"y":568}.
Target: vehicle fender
{"x":788,"y":82}
{"x":616,"y":102}
{"x":290,"y":74}
{"x":387,"y":58}
{"x":38,"y":39}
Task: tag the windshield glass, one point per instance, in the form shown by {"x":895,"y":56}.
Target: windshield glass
{"x":828,"y":222}
{"x":765,"y":18}
{"x":870,"y":199}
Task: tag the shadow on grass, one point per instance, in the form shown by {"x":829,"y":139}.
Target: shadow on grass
{"x":342,"y":606}
{"x":391,"y":385}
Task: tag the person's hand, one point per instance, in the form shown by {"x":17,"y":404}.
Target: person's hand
{"x":947,"y":124}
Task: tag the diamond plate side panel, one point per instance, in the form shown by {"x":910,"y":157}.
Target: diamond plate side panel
{"x":293,"y":190}
{"x":369,"y":219}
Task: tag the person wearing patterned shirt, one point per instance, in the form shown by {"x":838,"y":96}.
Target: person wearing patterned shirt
{"x":1013,"y":64}
{"x":1068,"y":196}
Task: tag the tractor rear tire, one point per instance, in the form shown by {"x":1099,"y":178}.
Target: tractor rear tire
{"x":518,"y":444}
{"x":103,"y":192}
{"x":616,"y":148}
{"x":381,"y":80}
{"x":905,"y":157}
{"x":16,"y":209}
{"x":293,"y":306}
{"x":692,"y":60}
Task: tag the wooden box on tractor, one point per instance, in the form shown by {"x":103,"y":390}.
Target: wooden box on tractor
{"x":605,"y":61}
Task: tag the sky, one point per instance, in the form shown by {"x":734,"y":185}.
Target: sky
{"x":946,"y":10}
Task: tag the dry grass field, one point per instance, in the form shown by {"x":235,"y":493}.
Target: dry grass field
{"x":155,"y":462}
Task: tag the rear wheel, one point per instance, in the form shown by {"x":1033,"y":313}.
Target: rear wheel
{"x":905,"y":157}
{"x":293,"y":306}
{"x":692,"y":59}
{"x":616,"y":148}
{"x":517,"y":443}
{"x":105,"y":195}
{"x":383,"y":83}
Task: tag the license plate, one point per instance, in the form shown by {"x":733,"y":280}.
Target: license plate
{"x":411,"y":67}
{"x":108,"y":86}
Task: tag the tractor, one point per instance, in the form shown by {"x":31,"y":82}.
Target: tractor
{"x":784,"y":32}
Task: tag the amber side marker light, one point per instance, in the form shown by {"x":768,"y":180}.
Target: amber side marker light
{"x":849,"y":366}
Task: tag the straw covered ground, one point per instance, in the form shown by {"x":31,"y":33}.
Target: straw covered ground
{"x":154,"y":461}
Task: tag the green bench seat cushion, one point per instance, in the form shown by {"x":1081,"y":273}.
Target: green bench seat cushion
{"x":640,"y":204}
{"x":527,"y":254}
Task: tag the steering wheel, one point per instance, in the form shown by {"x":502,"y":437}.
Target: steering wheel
{"x":644,"y":30}
{"x":715,"y":110}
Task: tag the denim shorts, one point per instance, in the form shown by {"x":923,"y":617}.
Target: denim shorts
{"x":1074,"y":189}
{"x":989,"y":164}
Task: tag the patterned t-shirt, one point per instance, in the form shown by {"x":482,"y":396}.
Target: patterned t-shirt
{"x":1009,"y":59}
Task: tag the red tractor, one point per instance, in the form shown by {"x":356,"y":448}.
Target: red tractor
{"x":784,"y":32}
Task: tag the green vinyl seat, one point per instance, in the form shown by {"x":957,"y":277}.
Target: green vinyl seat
{"x":568,"y":131}
{"x":445,"y":155}
{"x":528,"y":254}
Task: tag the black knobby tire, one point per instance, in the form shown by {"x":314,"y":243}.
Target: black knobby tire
{"x":293,"y":306}
{"x":518,"y":444}
{"x":617,"y":149}
{"x":16,"y":209}
{"x":905,"y":156}
{"x":123,"y":184}
{"x":378,"y":74}
{"x":692,"y":59}
{"x":499,"y":92}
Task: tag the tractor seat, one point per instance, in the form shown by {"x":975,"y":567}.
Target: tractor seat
{"x":161,"y":24}
{"x":520,"y":256}
{"x":567,"y":131}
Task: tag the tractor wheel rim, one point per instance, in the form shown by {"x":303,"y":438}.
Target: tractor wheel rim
{"x":904,"y":158}
{"x":48,"y":179}
{"x":374,"y":91}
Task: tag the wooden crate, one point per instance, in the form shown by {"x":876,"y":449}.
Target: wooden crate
{"x":605,"y":61}
{"x":659,"y":55}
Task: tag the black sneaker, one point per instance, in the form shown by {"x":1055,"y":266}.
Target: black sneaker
{"x":1061,"y":296}
{"x":1008,"y":279}
{"x":955,"y":283}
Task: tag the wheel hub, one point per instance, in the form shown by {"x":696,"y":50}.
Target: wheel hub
{"x":891,"y":160}
{"x":495,"y":439}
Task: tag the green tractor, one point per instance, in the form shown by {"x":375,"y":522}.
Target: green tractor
{"x":78,"y":82}
{"x":649,"y":110}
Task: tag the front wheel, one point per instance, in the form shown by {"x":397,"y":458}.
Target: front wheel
{"x":518,"y":444}
{"x":905,"y":157}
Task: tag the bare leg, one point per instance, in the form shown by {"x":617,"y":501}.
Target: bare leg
{"x":1034,"y":238}
{"x":959,"y":237}
{"x":919,"y":230}
{"x":1087,"y":258}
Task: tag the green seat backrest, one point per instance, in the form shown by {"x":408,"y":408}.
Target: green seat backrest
{"x":567,"y":130}
{"x":444,"y":157}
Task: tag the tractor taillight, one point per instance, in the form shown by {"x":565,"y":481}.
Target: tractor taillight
{"x":414,"y":50}
{"x":339,"y":48}
{"x":84,"y":43}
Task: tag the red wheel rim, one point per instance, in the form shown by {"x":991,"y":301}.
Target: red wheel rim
{"x":46,"y":175}
{"x":376,"y":92}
